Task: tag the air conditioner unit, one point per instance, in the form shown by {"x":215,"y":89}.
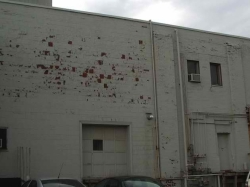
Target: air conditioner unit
{"x":1,"y":143}
{"x":194,"y":78}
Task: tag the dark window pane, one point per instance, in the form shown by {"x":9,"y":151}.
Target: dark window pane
{"x":102,"y":183}
{"x":112,"y":183}
{"x":97,"y":145}
{"x":193,"y":67}
{"x":33,"y":184}
{"x":3,"y":138}
{"x":215,"y":70}
{"x":26,"y":184}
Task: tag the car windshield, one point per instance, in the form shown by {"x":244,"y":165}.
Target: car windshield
{"x":61,"y":183}
{"x":141,"y":183}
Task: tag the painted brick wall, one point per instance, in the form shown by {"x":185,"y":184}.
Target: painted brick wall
{"x":58,"y":68}
{"x":63,"y":69}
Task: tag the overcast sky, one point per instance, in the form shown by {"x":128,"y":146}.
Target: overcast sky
{"x":225,"y":16}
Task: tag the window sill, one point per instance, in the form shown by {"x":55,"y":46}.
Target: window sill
{"x":217,"y":86}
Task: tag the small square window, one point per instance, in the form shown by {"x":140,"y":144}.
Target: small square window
{"x":97,"y":145}
{"x":3,"y":138}
{"x":216,"y":77}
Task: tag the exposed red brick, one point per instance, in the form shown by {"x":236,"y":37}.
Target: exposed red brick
{"x":99,"y":80}
{"x":85,"y":74}
{"x":41,"y":66}
{"x":109,"y":77}
{"x":70,"y":42}
{"x":103,"y":54}
{"x":91,"y":71}
{"x":101,"y":76}
{"x":46,"y":52}
{"x":140,"y":42}
{"x":50,"y":44}
{"x":105,"y":86}
{"x":100,"y":62}
{"x":137,"y":79}
{"x":123,"y":57}
{"x":141,"y":97}
{"x":73,"y":69}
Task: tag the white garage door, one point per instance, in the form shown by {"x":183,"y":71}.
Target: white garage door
{"x":105,"y":151}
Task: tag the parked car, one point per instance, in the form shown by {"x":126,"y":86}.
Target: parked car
{"x":53,"y":183}
{"x":129,"y":181}
{"x":247,"y":184}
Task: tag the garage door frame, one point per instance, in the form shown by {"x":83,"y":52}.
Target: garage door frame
{"x":107,"y":123}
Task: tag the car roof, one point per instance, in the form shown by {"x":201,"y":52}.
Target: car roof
{"x":123,"y":178}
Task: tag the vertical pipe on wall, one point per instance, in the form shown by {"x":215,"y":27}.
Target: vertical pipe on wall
{"x":158,"y":162}
{"x":182,"y":106}
{"x":29,"y":161}
{"x":234,"y":156}
{"x":218,"y":180}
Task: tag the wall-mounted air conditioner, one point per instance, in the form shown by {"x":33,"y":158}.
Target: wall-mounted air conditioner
{"x":194,"y":78}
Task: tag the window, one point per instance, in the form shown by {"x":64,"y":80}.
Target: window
{"x":33,"y":184}
{"x":112,"y":183}
{"x":102,"y":183}
{"x":26,"y":184}
{"x":193,"y":70}
{"x":97,"y":145}
{"x":216,"y":77}
{"x":3,"y":138}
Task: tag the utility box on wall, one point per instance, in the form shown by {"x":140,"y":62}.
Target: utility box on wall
{"x":37,"y":2}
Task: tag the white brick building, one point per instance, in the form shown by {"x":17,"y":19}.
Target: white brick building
{"x":76,"y":90}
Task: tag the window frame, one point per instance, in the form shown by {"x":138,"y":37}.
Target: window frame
{"x":5,"y":149}
{"x":101,"y":147}
{"x":197,"y":69}
{"x":218,"y":73}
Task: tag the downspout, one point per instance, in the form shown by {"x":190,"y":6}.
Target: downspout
{"x":234,"y":156}
{"x":158,"y":164}
{"x":182,"y":107}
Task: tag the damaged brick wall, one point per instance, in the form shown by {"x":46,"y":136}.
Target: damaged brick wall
{"x":58,"y":68}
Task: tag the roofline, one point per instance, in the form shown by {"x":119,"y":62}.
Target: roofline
{"x":124,"y":18}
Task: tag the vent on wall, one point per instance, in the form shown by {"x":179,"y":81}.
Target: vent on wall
{"x":194,"y":78}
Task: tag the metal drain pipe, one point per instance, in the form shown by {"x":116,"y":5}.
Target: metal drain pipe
{"x":182,"y":107}
{"x":155,"y":102}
